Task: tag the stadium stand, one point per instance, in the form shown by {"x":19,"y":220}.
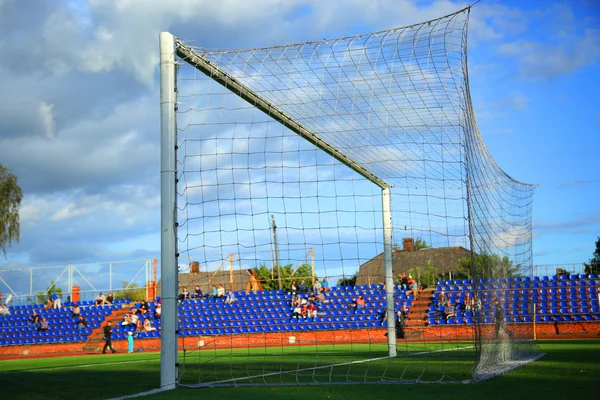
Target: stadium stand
{"x":561,"y":299}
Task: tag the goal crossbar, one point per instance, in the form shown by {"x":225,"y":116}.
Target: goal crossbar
{"x":191,"y":56}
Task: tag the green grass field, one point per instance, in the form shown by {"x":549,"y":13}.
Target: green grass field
{"x":570,"y":369}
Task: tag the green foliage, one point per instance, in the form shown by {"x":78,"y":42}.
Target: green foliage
{"x":269,"y":278}
{"x":132,"y":292}
{"x":42,"y":297}
{"x":487,"y":265}
{"x":428,"y":275}
{"x":10,"y":201}
{"x":421,"y":244}
{"x":593,"y":267}
{"x":348,"y":281}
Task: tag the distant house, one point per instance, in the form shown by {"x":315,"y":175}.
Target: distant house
{"x":237,"y":280}
{"x":444,"y":258}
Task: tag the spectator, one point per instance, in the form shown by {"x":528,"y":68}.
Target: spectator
{"x":297,"y":311}
{"x":76,"y":311}
{"x":100,"y":300}
{"x":130,"y":342}
{"x":448,"y":310}
{"x":320,"y":299}
{"x":157,"y":311}
{"x":499,"y":314}
{"x":220,"y":291}
{"x":400,"y":324}
{"x":44,"y":325}
{"x":253,"y":282}
{"x":148,"y":325}
{"x":477,"y":304}
{"x":134,"y":321}
{"x":107,"y":338}
{"x":214,"y":292}
{"x":296,"y":300}
{"x":359,"y":303}
{"x":302,"y":287}
{"x":81,"y":323}
{"x":49,"y":304}
{"x":144,"y":307}
{"x":468,"y":303}
{"x":304,"y":311}
{"x":311,"y":310}
{"x":230,"y":298}
{"x":198,"y":293}
{"x":413,"y":287}
{"x":317,"y":286}
{"x":56,"y":302}
{"x":139,"y":328}
{"x":443,"y":298}
{"x":403,"y":282}
{"x":126,"y":320}
{"x":34,"y":320}
{"x":4,"y":310}
{"x":325,"y":286}
{"x":311,"y":297}
{"x":184,"y":295}
{"x":110,"y":298}
{"x":293,"y":288}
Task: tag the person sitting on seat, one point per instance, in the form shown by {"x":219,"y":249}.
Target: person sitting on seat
{"x":325,"y":286}
{"x":413,"y":287}
{"x":44,"y":325}
{"x":110,"y":298}
{"x":359,"y":303}
{"x":81,"y":323}
{"x":34,"y":320}
{"x":311,"y":310}
{"x":56,"y":302}
{"x":100,"y":300}
{"x":230,"y":299}
{"x":302,"y":287}
{"x":184,"y":295}
{"x":448,"y":310}
{"x":76,"y":311}
{"x":220,"y":291}
{"x":317,"y":287}
{"x":148,"y":325}
{"x":4,"y":310}
{"x":157,"y":311}
{"x":198,"y":293}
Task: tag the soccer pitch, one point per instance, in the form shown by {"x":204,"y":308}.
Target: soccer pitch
{"x":570,"y":369}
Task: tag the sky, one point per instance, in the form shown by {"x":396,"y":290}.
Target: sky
{"x":79,"y":101}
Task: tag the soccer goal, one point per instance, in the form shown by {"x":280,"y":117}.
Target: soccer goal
{"x":322,"y":202}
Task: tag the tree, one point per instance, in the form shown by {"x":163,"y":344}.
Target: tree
{"x":131,"y":292}
{"x":348,"y":280}
{"x":593,"y":267}
{"x":269,"y":278}
{"x":42,"y":297}
{"x":487,"y":265}
{"x":421,"y":244}
{"x":10,"y":201}
{"x":428,"y":276}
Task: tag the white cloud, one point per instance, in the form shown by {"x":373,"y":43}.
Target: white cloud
{"x":47,"y":119}
{"x":68,"y":212}
{"x":542,"y":60}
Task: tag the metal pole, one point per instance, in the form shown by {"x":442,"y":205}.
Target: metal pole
{"x":388,"y":271}
{"x":168,"y":264}
{"x":110,"y":277}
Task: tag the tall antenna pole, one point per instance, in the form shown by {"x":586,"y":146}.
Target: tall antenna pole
{"x":276,"y":251}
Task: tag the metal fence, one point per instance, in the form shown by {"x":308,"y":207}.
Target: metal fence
{"x":32,"y":285}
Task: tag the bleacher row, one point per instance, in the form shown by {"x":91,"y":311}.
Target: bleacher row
{"x":572,"y":298}
{"x":15,"y":328}
{"x":557,"y":299}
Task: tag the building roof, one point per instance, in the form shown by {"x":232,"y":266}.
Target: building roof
{"x":444,"y":258}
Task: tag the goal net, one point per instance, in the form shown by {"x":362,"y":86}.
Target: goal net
{"x":321,"y":199}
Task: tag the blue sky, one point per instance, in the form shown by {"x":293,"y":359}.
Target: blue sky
{"x":79,"y":108}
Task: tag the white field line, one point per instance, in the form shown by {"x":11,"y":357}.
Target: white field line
{"x":76,"y":366}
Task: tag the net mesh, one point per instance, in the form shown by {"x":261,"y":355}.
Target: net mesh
{"x":266,"y":209}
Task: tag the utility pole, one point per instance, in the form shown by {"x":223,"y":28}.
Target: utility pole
{"x":276,"y":251}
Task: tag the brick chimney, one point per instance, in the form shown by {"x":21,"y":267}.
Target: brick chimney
{"x":408,"y":244}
